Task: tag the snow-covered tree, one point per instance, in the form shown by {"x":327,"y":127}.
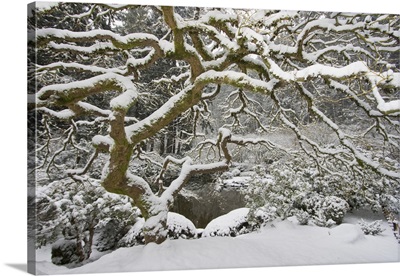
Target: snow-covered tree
{"x":285,"y":70}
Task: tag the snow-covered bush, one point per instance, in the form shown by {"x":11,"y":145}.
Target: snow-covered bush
{"x":374,"y":228}
{"x":180,"y":227}
{"x":303,"y":217}
{"x":232,"y":224}
{"x":335,"y":208}
{"x":391,"y":201}
{"x":314,"y":208}
{"x":262,"y":215}
{"x":64,"y":252}
{"x":289,"y":189}
{"x":80,"y":212}
{"x":271,"y":195}
{"x":109,"y":233}
{"x":260,"y":195}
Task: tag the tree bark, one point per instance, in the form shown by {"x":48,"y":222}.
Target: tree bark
{"x":155,"y":228}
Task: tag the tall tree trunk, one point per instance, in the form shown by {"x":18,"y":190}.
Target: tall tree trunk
{"x":170,"y":141}
{"x":178,"y":142}
{"x":162,"y":144}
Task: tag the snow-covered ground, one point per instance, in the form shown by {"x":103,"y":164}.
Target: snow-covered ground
{"x":278,"y":244}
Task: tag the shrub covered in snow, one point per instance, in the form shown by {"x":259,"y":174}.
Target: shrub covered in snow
{"x":80,"y":212}
{"x":271,"y":195}
{"x":374,"y":228}
{"x":303,"y":217}
{"x":313,"y":208}
{"x":232,"y":224}
{"x":335,"y":208}
{"x":289,"y":189}
{"x":296,"y":186}
{"x":178,"y":227}
{"x":64,"y":252}
{"x":109,"y":234}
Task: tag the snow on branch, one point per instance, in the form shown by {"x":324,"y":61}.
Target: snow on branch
{"x":63,"y":114}
{"x":388,"y":78}
{"x":217,"y":16}
{"x":360,"y":158}
{"x":188,"y":168}
{"x":274,"y":18}
{"x":78,"y":66}
{"x":392,"y":107}
{"x":256,"y":141}
{"x":125,"y":42}
{"x":81,"y":171}
{"x":104,"y":142}
{"x":237,"y":79}
{"x":89,"y":108}
{"x":100,"y":47}
{"x":189,"y":96}
{"x":319,"y":70}
{"x":68,"y":93}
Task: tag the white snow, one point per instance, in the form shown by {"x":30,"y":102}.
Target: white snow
{"x":217,"y":16}
{"x":123,"y":82}
{"x":389,"y":107}
{"x":89,"y":107}
{"x":126,"y":99}
{"x":237,"y":181}
{"x":63,"y":114}
{"x":102,"y":140}
{"x":75,"y":65}
{"x":130,"y":237}
{"x":278,"y":244}
{"x":222,"y":225}
{"x":270,"y":20}
{"x":179,"y":223}
{"x":237,"y":79}
{"x":84,"y":49}
{"x":166,"y":46}
{"x":318,"y":70}
{"x":41,"y":6}
{"x":65,"y":34}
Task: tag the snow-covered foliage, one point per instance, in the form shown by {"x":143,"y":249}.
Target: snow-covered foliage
{"x":289,"y":190}
{"x":373,"y":228}
{"x":232,"y":224}
{"x":191,"y":89}
{"x":320,"y":210}
{"x":64,"y":252}
{"x":180,"y":227}
{"x":72,"y":212}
